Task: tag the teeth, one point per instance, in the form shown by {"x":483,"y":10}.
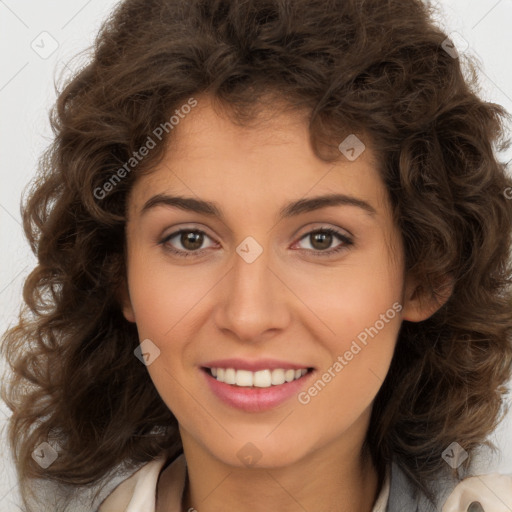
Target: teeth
{"x":262,"y":379}
{"x":259,"y":379}
{"x":277,"y":377}
{"x":230,"y":376}
{"x":243,"y":378}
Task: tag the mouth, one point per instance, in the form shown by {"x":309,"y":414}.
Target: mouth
{"x":256,"y":391}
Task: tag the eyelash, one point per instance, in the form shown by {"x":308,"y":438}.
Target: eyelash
{"x":347,"y":242}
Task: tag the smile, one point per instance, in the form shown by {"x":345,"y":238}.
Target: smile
{"x":255,"y":391}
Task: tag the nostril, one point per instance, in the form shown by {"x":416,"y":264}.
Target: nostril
{"x":475,"y":507}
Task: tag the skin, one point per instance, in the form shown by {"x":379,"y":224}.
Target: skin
{"x":288,"y":304}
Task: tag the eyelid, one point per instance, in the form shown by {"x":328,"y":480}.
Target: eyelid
{"x":174,"y":230}
{"x":319,"y":226}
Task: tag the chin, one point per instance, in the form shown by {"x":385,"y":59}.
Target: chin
{"x":260,"y":453}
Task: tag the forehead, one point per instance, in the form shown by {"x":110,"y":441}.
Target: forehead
{"x":212,"y":124}
{"x":211,"y":156}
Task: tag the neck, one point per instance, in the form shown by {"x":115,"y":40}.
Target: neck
{"x":316,"y":483}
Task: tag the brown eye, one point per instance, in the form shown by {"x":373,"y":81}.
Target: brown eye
{"x":321,"y":240}
{"x":191,"y":240}
{"x":186,"y":242}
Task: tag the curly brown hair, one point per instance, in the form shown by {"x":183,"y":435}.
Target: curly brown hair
{"x":376,"y":67}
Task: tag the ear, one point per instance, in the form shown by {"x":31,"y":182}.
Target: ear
{"x":419,"y":303}
{"x":126,"y":303}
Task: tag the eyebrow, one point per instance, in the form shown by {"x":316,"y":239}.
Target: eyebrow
{"x":290,"y":210}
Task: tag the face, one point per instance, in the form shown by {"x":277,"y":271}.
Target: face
{"x":264,"y":278}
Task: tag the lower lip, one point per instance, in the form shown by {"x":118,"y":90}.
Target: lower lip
{"x":255,"y":399}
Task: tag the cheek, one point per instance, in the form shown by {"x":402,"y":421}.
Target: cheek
{"x":346,"y":386}
{"x":163,"y":299}
{"x":167,"y":302}
{"x":349,"y":298}
{"x":359,"y":306}
{"x":163,"y":296}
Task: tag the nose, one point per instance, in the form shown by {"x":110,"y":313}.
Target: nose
{"x":255,"y":301}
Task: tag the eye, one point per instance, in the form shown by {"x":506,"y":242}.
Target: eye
{"x":321,"y":239}
{"x":190,"y":240}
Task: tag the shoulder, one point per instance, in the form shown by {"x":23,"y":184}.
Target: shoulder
{"x":492,"y":492}
{"x":44,"y":494}
{"x":139,"y":491}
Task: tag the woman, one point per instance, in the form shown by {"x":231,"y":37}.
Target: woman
{"x":272,"y":244}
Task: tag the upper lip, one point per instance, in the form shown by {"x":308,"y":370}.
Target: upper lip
{"x":254,"y":365}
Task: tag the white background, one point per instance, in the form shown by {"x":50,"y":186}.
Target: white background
{"x":27,"y":92}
